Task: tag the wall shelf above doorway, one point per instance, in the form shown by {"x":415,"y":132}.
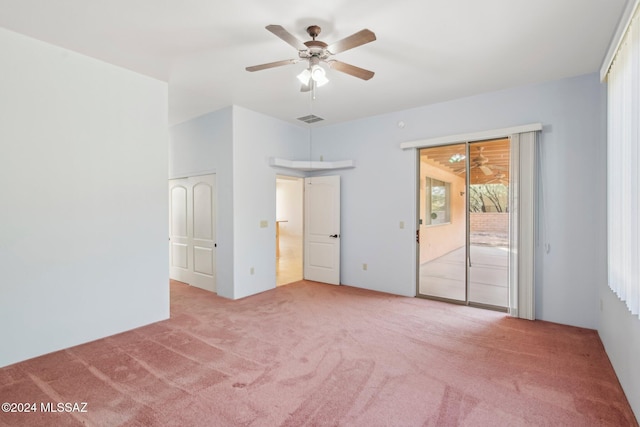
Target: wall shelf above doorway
{"x":310,"y":166}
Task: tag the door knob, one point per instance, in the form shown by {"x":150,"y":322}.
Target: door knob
{"x":335,"y":236}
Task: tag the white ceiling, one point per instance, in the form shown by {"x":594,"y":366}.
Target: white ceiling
{"x":426,"y":51}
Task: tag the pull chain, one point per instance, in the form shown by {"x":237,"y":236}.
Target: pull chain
{"x":311,"y":99}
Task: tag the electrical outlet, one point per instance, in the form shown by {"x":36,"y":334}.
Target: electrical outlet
{"x":365,"y":266}
{"x":401,"y":225}
{"x":251,"y":270}
{"x":264,"y":223}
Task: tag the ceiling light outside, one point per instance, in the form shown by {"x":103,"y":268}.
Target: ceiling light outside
{"x":456,"y":158}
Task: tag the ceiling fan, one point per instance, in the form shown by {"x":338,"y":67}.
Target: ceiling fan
{"x":498,"y":178}
{"x":480,"y":162}
{"x":316,"y":51}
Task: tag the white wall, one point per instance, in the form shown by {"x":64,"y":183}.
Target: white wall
{"x":205,"y":145}
{"x":620,"y":334}
{"x":83,"y":201}
{"x":257,"y":137}
{"x":202,"y":145}
{"x":380,"y":191}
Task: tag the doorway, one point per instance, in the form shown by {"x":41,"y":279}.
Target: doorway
{"x":463,"y":230}
{"x":289,"y":229}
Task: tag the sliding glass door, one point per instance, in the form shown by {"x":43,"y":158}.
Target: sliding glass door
{"x":442,"y":223}
{"x":464,"y":223}
{"x":488,"y":223}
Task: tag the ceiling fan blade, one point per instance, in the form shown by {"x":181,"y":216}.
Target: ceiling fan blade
{"x":354,"y":40}
{"x":286,"y":36}
{"x":358,"y":72}
{"x":486,"y":170}
{"x":464,"y":169}
{"x":271,"y":65}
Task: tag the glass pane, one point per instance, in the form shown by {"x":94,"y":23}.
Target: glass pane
{"x":442,"y":225}
{"x":489,"y":222}
{"x":439,"y":203}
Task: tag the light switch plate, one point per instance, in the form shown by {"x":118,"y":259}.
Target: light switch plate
{"x":264,"y":223}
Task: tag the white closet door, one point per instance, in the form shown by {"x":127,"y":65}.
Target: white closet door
{"x":192,"y":231}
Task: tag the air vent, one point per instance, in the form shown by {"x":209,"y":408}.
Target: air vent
{"x":310,"y":118}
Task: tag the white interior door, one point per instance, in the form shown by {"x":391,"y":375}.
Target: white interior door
{"x":322,"y":229}
{"x":192,"y":233}
{"x":178,"y":234}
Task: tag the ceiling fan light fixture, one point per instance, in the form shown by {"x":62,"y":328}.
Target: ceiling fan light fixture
{"x":304,"y":76}
{"x":317,"y":73}
{"x":321,"y":80}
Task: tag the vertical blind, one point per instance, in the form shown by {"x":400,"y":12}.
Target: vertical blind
{"x":623,"y":157}
{"x":522,"y":218}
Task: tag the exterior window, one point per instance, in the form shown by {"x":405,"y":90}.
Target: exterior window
{"x":438,"y":202}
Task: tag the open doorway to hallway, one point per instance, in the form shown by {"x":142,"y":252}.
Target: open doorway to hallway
{"x":289,"y":229}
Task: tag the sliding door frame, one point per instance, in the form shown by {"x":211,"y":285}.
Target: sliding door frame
{"x":521,"y":286}
{"x":420,"y":205}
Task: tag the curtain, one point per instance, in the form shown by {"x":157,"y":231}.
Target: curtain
{"x":623,"y":179}
{"x":521,"y":225}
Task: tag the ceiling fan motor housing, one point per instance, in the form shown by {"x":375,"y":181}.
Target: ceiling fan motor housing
{"x":313,"y":31}
{"x":481,"y":159}
{"x":315,"y":48}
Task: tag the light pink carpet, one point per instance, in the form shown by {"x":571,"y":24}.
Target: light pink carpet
{"x":310,"y":354}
